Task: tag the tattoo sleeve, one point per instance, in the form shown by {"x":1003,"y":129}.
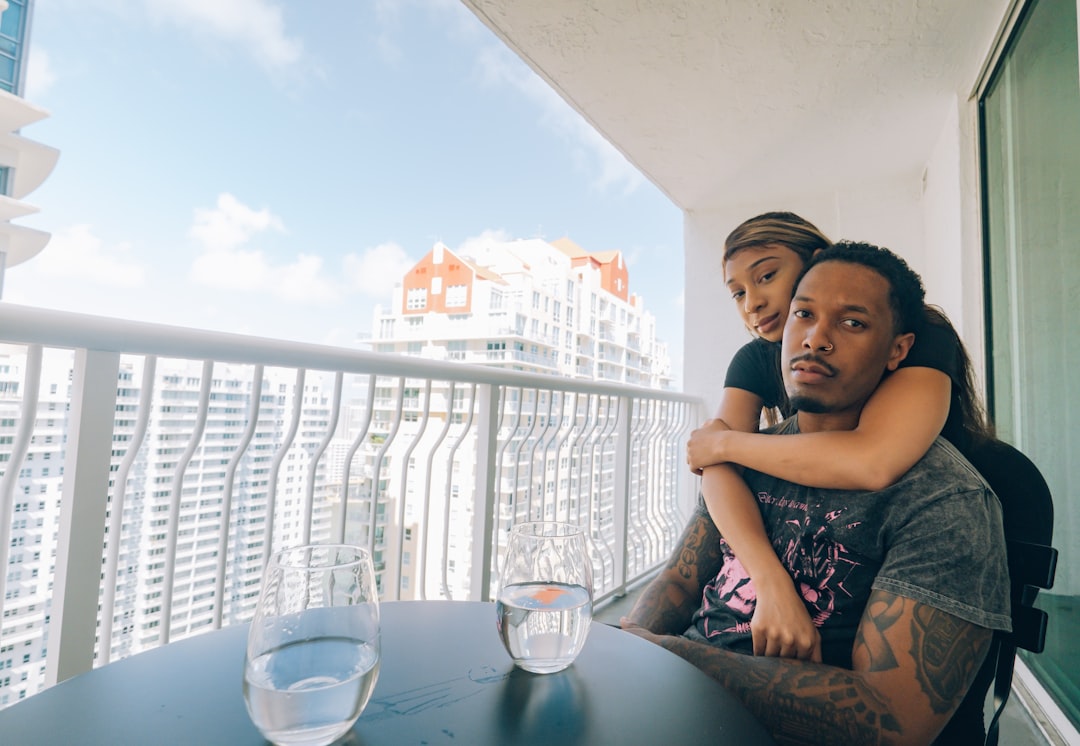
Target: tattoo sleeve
{"x":914,"y":664}
{"x":945,"y":660}
{"x":668,"y":602}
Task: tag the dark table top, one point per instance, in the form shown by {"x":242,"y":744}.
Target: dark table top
{"x":445,"y":679}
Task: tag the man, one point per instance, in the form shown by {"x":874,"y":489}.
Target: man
{"x":905,"y":584}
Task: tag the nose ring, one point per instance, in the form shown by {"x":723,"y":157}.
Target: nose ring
{"x":827,"y":348}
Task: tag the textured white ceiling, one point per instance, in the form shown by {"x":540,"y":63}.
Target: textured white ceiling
{"x":727,"y":100}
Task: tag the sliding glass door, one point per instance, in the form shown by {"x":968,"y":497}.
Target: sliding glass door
{"x":1030,"y":116}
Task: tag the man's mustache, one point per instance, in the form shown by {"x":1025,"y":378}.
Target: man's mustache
{"x":814,"y":359}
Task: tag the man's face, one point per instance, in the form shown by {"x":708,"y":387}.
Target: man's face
{"x":839,"y":339}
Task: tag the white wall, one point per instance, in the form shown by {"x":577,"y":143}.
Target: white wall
{"x":953,"y":227}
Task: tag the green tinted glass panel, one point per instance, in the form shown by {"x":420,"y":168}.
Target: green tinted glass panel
{"x":11,"y":22}
{"x":7,"y":70}
{"x":1031,"y":131}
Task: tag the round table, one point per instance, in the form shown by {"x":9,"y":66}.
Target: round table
{"x":445,"y":679}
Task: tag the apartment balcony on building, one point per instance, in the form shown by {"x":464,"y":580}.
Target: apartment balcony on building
{"x":148,"y":471}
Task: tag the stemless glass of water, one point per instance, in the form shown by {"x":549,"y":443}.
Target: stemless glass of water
{"x":544,"y":603}
{"x":313,"y":649}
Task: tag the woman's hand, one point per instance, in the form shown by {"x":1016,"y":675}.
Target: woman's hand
{"x":705,"y":447}
{"x":781,"y":626}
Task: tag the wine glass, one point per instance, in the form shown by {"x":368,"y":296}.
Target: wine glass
{"x":544,"y":602}
{"x":313,"y":649}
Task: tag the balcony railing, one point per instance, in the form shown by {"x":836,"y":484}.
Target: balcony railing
{"x":148,"y":471}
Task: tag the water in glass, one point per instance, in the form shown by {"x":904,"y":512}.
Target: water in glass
{"x":313,"y":648}
{"x":544,"y":602}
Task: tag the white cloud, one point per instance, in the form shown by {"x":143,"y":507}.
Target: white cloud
{"x":76,"y":252}
{"x":498,"y":66}
{"x":489,"y":236}
{"x":376,"y":270}
{"x":224,"y":264}
{"x":256,"y":25}
{"x":231,"y":223}
{"x":40,"y":75}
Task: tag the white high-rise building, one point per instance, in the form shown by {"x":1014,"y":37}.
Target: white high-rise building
{"x":154,"y":478}
{"x":526,"y":305}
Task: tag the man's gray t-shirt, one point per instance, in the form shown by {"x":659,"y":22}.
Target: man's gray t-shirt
{"x":935,"y":537}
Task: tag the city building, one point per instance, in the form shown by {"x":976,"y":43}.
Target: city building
{"x":170,"y":467}
{"x":526,"y":305}
{"x":24,"y":164}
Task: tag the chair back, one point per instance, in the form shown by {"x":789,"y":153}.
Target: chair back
{"x":1028,"y":517}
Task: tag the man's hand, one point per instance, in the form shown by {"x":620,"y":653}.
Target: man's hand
{"x":705,"y":447}
{"x":781,"y":627}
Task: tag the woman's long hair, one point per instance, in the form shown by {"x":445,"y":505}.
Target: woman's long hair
{"x":784,"y":228}
{"x":966,"y":405}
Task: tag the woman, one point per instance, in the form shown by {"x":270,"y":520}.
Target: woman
{"x":930,"y":393}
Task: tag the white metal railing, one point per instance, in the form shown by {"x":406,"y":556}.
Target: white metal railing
{"x":178,"y":459}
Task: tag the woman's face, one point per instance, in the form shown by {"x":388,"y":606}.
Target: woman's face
{"x":761,"y":280}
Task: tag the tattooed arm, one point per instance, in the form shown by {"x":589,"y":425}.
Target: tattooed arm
{"x":912,"y":666}
{"x":671,"y":598}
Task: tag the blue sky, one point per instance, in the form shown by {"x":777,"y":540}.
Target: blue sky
{"x":272,"y":168}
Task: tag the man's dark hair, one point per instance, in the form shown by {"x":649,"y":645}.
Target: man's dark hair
{"x":906,"y":291}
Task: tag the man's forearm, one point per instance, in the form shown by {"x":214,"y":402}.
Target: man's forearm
{"x":668,"y":603}
{"x":798,"y":702}
{"x":664,"y":607}
{"x":913,"y":665}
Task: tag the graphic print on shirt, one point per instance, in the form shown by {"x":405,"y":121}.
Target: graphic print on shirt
{"x":819,"y":565}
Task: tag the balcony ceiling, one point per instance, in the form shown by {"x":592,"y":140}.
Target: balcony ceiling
{"x":743,"y":101}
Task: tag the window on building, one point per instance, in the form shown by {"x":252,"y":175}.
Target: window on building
{"x":456,"y":349}
{"x":416,"y":299}
{"x":497,"y":299}
{"x":457,"y":296}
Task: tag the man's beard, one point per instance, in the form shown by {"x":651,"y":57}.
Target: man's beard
{"x":802,"y":403}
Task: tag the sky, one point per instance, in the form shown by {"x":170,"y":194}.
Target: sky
{"x":272,"y":168}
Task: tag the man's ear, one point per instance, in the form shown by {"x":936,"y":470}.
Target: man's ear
{"x":901,"y":345}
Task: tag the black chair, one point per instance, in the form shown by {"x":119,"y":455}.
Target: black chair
{"x":1028,"y":512}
